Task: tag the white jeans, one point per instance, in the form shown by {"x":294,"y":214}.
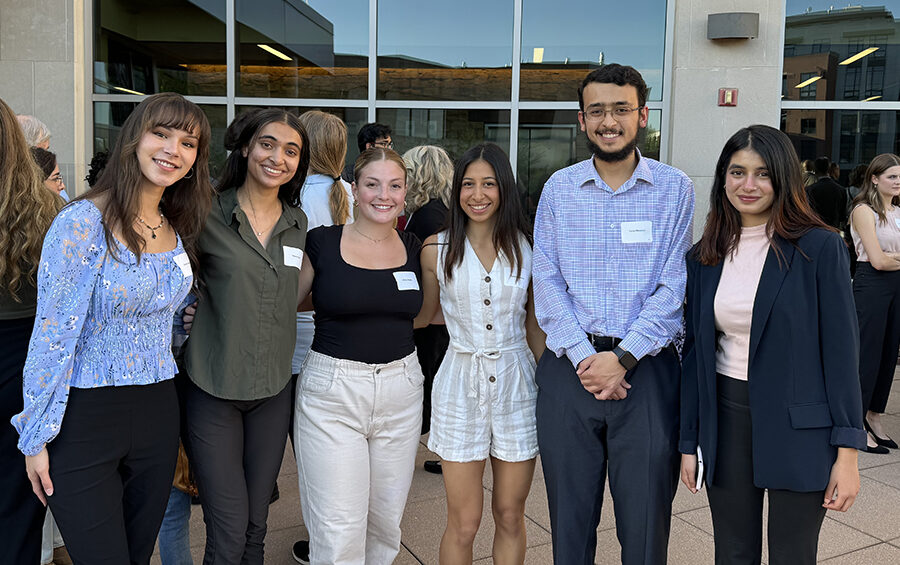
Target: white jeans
{"x":356,"y":435}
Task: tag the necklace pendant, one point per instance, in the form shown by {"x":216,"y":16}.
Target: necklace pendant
{"x":153,"y":235}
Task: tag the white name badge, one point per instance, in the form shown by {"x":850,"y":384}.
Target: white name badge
{"x":637,"y":232}
{"x":513,"y":280}
{"x":406,"y":280}
{"x":293,"y":257}
{"x":184,"y":263}
{"x":897,"y":221}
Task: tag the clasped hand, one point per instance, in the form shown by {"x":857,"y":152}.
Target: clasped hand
{"x":603,"y":376}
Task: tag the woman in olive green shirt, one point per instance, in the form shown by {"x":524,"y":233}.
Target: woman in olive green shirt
{"x":238,"y":358}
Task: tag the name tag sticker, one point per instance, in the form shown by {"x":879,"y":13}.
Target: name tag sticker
{"x":513,"y":280}
{"x":406,"y":280}
{"x":897,"y":221}
{"x":637,"y":232}
{"x":184,"y":263}
{"x":293,"y":257}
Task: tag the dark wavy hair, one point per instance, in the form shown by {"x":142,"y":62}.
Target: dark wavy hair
{"x":185,"y":204}
{"x":510,"y":218}
{"x":791,"y":215}
{"x":242,"y":133}
{"x":620,"y":75}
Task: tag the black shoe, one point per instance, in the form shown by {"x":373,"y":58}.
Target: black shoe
{"x":433,"y":467}
{"x":882,"y":441}
{"x":878,"y":450}
{"x":300,"y":551}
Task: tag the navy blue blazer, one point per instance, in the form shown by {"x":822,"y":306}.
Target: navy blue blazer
{"x":803,"y":370}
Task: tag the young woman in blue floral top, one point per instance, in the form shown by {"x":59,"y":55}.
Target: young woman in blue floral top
{"x":100,"y":423}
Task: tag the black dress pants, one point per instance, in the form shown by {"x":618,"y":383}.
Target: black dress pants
{"x":795,"y":518}
{"x":636,"y":439}
{"x":431,"y":346}
{"x":236,"y":448}
{"x":21,"y":514}
{"x":877,"y":297}
{"x":112,"y":466}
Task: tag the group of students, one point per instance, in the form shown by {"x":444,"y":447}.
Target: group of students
{"x":89,"y":296}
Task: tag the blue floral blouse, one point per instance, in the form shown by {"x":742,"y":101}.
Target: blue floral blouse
{"x":99,"y":322}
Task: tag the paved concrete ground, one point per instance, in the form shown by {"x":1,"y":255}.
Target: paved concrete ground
{"x":869,"y":534}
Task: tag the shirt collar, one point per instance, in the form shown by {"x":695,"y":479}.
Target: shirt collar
{"x":231,"y":211}
{"x":642,"y":172}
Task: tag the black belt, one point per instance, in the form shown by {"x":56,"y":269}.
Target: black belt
{"x":603,"y":343}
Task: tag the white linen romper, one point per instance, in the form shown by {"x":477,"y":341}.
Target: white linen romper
{"x":484,"y":395}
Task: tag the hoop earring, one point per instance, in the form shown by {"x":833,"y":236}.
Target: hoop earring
{"x":190,"y":174}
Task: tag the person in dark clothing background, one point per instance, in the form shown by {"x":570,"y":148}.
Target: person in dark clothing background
{"x":827,"y":197}
{"x":370,"y":135}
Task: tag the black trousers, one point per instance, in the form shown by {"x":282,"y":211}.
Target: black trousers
{"x":236,"y":448}
{"x":431,"y":345}
{"x":112,"y":466}
{"x":21,"y":514}
{"x":635,"y":439}
{"x":877,"y":296}
{"x":795,"y":518}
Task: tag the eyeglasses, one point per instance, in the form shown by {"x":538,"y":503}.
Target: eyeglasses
{"x":56,"y":178}
{"x":618,"y":113}
{"x":384,"y":144}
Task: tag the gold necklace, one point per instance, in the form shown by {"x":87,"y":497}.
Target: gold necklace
{"x":153,"y":229}
{"x":372,"y":239}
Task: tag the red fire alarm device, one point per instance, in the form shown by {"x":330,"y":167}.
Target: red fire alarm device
{"x":728,"y":96}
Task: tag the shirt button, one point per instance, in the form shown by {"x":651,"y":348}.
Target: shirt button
{"x":612,"y":225}
{"x":490,"y":327}
{"x":487,"y":302}
{"x":487,"y":279}
{"x":377,"y":371}
{"x":492,"y":378}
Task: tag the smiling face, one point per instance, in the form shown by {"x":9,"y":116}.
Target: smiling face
{"x":166,"y":154}
{"x":479,"y":195}
{"x":380,"y":191}
{"x":273,"y":156}
{"x":888,"y":182}
{"x":612,"y":137}
{"x":749,"y":187}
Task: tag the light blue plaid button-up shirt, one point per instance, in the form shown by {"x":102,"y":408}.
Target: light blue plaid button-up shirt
{"x":587,"y":278}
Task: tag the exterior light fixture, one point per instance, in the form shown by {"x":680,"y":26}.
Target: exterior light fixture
{"x":858,"y":56}
{"x":273,"y":51}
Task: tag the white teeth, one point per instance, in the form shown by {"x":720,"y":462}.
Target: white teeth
{"x":164,"y":164}
{"x":479,"y":207}
{"x":610,"y":135}
{"x":382,"y":206}
{"x":271,"y":171}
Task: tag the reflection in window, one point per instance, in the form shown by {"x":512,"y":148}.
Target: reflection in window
{"x":551,"y":140}
{"x":110,"y":116}
{"x":454,"y":130}
{"x":854,"y":48}
{"x":140,"y":48}
{"x":557,"y":51}
{"x":294,"y":49}
{"x":450,"y":51}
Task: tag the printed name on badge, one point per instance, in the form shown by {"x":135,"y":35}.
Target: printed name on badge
{"x":406,"y":280}
{"x":293,"y":257}
{"x":637,"y":232}
{"x":184,"y":263}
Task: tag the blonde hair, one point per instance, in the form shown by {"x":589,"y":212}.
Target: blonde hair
{"x":429,"y":173}
{"x":27,"y":208}
{"x":375,"y":154}
{"x":36,"y":132}
{"x":328,"y":149}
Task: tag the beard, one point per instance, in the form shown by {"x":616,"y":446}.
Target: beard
{"x":613,"y":156}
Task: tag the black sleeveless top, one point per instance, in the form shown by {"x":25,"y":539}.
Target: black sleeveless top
{"x":363,"y":314}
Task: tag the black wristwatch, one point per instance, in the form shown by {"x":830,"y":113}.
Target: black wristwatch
{"x":625,"y":358}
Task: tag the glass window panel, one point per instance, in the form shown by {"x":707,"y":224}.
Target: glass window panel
{"x":139,"y":47}
{"x":550,"y":140}
{"x":109,"y":117}
{"x":557,"y":51}
{"x":821,"y":38}
{"x":439,"y":51}
{"x":847,"y":137}
{"x":303,"y":49}
{"x":355,"y":118}
{"x":454,"y":130}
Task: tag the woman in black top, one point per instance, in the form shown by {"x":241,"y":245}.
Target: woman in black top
{"x":359,"y":397}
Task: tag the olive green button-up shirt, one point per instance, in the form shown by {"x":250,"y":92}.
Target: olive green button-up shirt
{"x":245,"y":328}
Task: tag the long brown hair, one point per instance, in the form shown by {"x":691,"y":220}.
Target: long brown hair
{"x":185,"y":204}
{"x":327,"y":152}
{"x":791,"y":215}
{"x":868,"y":192}
{"x":27,"y":208}
{"x":510,"y":218}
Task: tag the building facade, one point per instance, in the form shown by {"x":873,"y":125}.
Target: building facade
{"x":458,"y":73}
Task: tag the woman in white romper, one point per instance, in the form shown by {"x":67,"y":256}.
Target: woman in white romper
{"x":483,"y":401}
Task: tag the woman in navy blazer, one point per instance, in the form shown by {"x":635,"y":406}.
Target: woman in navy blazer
{"x":770,"y":392}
